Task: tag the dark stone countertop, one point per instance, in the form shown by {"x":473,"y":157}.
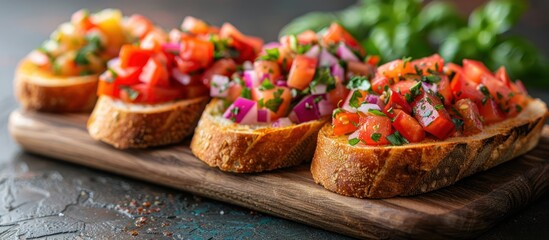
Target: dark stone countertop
{"x":46,"y":198}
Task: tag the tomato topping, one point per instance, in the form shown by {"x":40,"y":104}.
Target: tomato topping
{"x":307,"y":37}
{"x":360,"y":68}
{"x":336,"y":33}
{"x":375,"y":129}
{"x":345,"y":123}
{"x":143,"y":93}
{"x":433,"y":63}
{"x":472,"y":123}
{"x":502,"y":75}
{"x":474,"y":70}
{"x":432,"y":116}
{"x":490,"y":112}
{"x":138,"y":25}
{"x":378,"y":83}
{"x":403,"y":87}
{"x":270,"y":97}
{"x":81,"y":19}
{"x":285,"y":58}
{"x":302,"y":72}
{"x":408,"y":126}
{"x":194,"y":26}
{"x":396,"y":101}
{"x":463,"y":88}
{"x":337,"y":94}
{"x":445,"y":90}
{"x":225,"y":67}
{"x":134,"y":56}
{"x":396,"y":69}
{"x":195,"y":54}
{"x":267,"y":70}
{"x":248,"y":46}
{"x":498,"y":90}
{"x":155,"y":74}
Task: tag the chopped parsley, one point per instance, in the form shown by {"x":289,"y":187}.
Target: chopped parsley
{"x":458,"y":123}
{"x":375,"y":137}
{"x":433,"y":78}
{"x":271,"y":54}
{"x":354,"y":141}
{"x":336,"y":111}
{"x":484,"y":90}
{"x":266,"y":85}
{"x":415,"y":90}
{"x":323,"y":76}
{"x":406,"y":60}
{"x":376,"y":112}
{"x":132,"y":94}
{"x":518,"y":108}
{"x":246,"y":93}
{"x":396,"y":139}
{"x":273,"y":104}
{"x":360,"y":83}
{"x":439,"y":106}
{"x":354,"y":102}
{"x":81,"y":57}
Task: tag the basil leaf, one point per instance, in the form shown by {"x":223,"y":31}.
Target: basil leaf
{"x":396,"y":139}
{"x":354,"y":141}
{"x":376,"y":112}
{"x":353,"y":102}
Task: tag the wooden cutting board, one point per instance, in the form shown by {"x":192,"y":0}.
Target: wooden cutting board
{"x":463,"y":210}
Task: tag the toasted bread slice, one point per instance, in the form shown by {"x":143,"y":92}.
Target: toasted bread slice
{"x":125,"y":125}
{"x":381,"y":172}
{"x":42,"y":91}
{"x":245,"y":149}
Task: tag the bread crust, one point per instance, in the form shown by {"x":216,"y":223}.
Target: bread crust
{"x":124,"y":125}
{"x":383,"y":172}
{"x":242,"y":149}
{"x":42,"y":91}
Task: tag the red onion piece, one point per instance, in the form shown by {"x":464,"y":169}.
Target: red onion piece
{"x":319,"y":89}
{"x":306,"y":110}
{"x":251,"y":79}
{"x":247,"y":65}
{"x":365,"y":107}
{"x":219,"y":86}
{"x":263,"y":115}
{"x":242,"y":111}
{"x":281,"y":83}
{"x":271,"y":45}
{"x":182,"y":78}
{"x":338,"y":71}
{"x":429,"y":86}
{"x":171,"y":47}
{"x":314,"y":52}
{"x":325,"y":107}
{"x":353,"y":135}
{"x":345,"y":53}
{"x":371,"y":98}
{"x":326,"y":59}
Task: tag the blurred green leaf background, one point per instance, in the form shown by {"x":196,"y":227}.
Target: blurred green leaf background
{"x":410,"y":28}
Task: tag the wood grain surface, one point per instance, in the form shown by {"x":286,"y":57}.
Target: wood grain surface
{"x":463,"y":210}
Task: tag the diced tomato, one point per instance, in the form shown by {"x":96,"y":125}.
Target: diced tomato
{"x":267,"y":70}
{"x":474,"y":70}
{"x":336,"y":33}
{"x":454,"y":68}
{"x":375,"y":129}
{"x":307,"y":37}
{"x":81,"y":19}
{"x":502,"y":75}
{"x":153,"y":41}
{"x":154,"y":74}
{"x":516,"y":104}
{"x":432,"y":116}
{"x":225,"y":67}
{"x":133,"y":56}
{"x":247,"y":46}
{"x":143,"y":93}
{"x":111,"y":80}
{"x":235,"y":91}
{"x":106,"y":88}
{"x":490,"y":112}
{"x":403,"y":87}
{"x":39,"y":58}
{"x":338,"y":94}
{"x":396,"y":101}
{"x":463,"y":88}
{"x":396,"y":69}
{"x":345,"y":123}
{"x":497,"y":89}
{"x":195,"y":54}
{"x":408,"y":126}
{"x":266,"y":95}
{"x":138,"y":25}
{"x":194,"y":26}
{"x":360,"y":68}
{"x":445,"y":90}
{"x":432,"y":63}
{"x":285,"y":58}
{"x":518,"y":86}
{"x":373,"y":60}
{"x":302,"y":72}
{"x":378,"y":83}
{"x":472,"y":123}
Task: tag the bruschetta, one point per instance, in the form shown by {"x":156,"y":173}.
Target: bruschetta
{"x":61,"y":75}
{"x":154,"y":94}
{"x":268,"y":115}
{"x":419,"y":125}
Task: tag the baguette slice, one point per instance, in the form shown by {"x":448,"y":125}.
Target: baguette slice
{"x":42,"y":91}
{"x":383,"y":172}
{"x":124,"y":125}
{"x":245,"y":149}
